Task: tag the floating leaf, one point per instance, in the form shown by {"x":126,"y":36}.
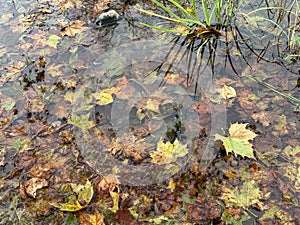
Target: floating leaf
{"x":167,"y":153}
{"x":238,"y":140}
{"x":84,"y":196}
{"x":243,"y":197}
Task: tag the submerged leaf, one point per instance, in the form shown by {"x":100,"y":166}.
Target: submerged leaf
{"x":81,"y":121}
{"x":243,"y":197}
{"x":84,"y":196}
{"x":103,"y":97}
{"x":167,"y":153}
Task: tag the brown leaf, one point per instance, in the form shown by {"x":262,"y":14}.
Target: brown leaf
{"x":74,"y":28}
{"x":91,"y":219}
{"x":108,"y":183}
{"x":124,"y":217}
{"x":263,"y":117}
{"x":34,"y":184}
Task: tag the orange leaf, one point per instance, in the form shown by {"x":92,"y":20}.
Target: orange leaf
{"x":74,"y":28}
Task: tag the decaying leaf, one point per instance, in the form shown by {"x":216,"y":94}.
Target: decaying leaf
{"x":280,"y":127}
{"x":227,"y":92}
{"x":103,"y":97}
{"x":264,"y":117}
{"x":74,"y":28}
{"x":91,"y":219}
{"x":243,"y":197}
{"x":108,"y":183}
{"x":167,"y":153}
{"x":34,"y":184}
{"x":52,"y":41}
{"x":238,"y":140}
{"x":115,"y":197}
{"x":81,"y":121}
{"x":84,"y":196}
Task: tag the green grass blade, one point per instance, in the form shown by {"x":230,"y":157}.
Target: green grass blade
{"x":194,"y":7}
{"x":193,"y":21}
{"x":205,"y":12}
{"x":164,"y":29}
{"x":294,"y":100}
{"x":151,"y":13}
{"x":169,"y":11}
{"x":186,"y":13}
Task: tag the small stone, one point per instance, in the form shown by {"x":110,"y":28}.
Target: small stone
{"x":108,"y":18}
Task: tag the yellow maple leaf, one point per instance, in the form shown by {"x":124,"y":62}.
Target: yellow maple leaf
{"x":238,"y":130}
{"x":74,"y":28}
{"x":238,"y":140}
{"x":227,"y":92}
{"x":167,"y":153}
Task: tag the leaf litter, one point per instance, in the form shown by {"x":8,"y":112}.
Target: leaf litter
{"x":41,"y":165}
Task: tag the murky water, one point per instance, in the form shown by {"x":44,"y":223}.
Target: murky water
{"x":160,"y":90}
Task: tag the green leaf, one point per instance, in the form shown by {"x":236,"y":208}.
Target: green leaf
{"x":244,"y":197}
{"x":84,"y":192}
{"x":237,"y":146}
{"x":238,"y":140}
{"x":229,"y":219}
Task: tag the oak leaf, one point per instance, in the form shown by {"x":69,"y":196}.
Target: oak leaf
{"x":238,"y":140}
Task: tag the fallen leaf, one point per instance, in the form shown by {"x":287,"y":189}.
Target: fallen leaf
{"x":108,"y":183}
{"x":53,"y":41}
{"x":167,"y":153}
{"x":74,"y":28}
{"x":264,"y":117}
{"x":34,"y":184}
{"x":238,"y":140}
{"x":243,"y":197}
{"x":84,"y":196}
{"x":103,"y":97}
{"x":239,"y":131}
{"x":115,"y":197}
{"x":91,"y":219}
{"x":227,"y":92}
{"x":280,"y":127}
{"x":81,"y":121}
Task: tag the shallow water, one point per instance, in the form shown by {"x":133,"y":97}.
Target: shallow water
{"x":48,"y":80}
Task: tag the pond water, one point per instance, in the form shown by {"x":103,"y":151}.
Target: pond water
{"x":80,"y":102}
